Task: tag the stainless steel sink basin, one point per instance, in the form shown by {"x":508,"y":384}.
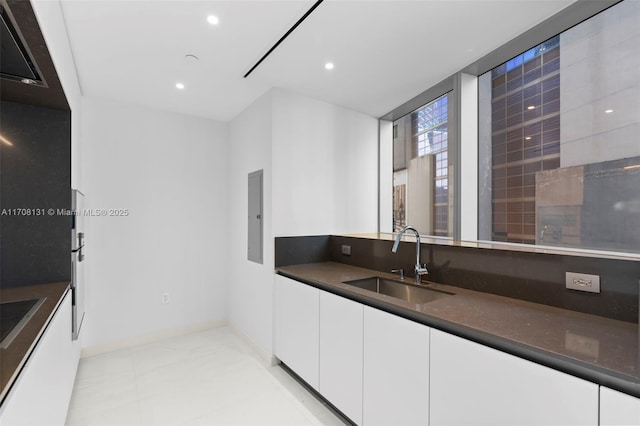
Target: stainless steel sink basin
{"x":400,"y":290}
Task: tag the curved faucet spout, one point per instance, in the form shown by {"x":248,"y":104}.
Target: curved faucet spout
{"x":419,"y":269}
{"x":399,"y":237}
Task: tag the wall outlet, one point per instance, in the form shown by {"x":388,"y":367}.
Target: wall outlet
{"x":346,"y":250}
{"x":583,"y":282}
{"x":165,"y":297}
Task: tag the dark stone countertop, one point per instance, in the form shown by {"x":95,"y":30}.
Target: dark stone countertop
{"x":598,"y":349}
{"x":15,"y":356}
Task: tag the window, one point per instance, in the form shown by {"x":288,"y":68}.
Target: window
{"x":525,"y":137}
{"x":421,"y":195}
{"x":563,"y":138}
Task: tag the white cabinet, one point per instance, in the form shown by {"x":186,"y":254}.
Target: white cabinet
{"x":380,"y":369}
{"x":41,"y":394}
{"x":297,"y":327}
{"x":396,"y":370}
{"x":474,"y":384}
{"x":341,"y":354}
{"x":617,"y":408}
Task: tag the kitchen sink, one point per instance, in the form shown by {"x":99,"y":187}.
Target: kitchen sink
{"x":411,"y":293}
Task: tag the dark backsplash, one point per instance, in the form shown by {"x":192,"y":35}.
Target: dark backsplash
{"x":35,"y":174}
{"x":297,"y":250}
{"x":534,"y":277}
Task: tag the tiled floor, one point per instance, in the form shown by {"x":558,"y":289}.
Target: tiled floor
{"x":208,"y":378}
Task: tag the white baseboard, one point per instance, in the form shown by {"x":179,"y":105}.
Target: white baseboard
{"x":268,"y":358}
{"x":148,"y":338}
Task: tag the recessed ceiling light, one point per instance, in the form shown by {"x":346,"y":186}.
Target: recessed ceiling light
{"x":608,"y":111}
{"x":528,"y":138}
{"x":191,"y":58}
{"x":213,"y":20}
{"x":328,"y":65}
{"x":180,"y":86}
{"x":28,"y":81}
{"x":531,"y":107}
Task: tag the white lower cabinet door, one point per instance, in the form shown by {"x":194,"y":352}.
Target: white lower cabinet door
{"x":41,"y":393}
{"x":617,"y":408}
{"x":341,"y":354}
{"x":472,"y":384}
{"x":297,"y":327}
{"x":396,"y":370}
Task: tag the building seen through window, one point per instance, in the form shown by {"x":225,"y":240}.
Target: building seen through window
{"x":421,"y":195}
{"x":560,"y":139}
{"x":525,"y":137}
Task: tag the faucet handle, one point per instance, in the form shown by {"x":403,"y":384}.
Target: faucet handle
{"x":420,"y":271}
{"x":401,"y":271}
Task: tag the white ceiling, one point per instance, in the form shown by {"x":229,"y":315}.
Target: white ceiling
{"x":385,"y":51}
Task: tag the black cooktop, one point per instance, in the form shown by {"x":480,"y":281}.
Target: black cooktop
{"x":11,"y":313}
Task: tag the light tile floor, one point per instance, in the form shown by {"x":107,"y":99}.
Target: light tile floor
{"x":208,"y":378}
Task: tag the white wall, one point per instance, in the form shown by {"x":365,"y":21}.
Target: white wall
{"x":170,"y":171}
{"x":468,"y":158}
{"x":51,"y":21}
{"x":320,"y":177}
{"x":325,"y":168}
{"x":250,"y":284}
{"x":386,"y":176}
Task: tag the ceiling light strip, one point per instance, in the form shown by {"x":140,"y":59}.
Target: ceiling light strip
{"x":316,"y":4}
